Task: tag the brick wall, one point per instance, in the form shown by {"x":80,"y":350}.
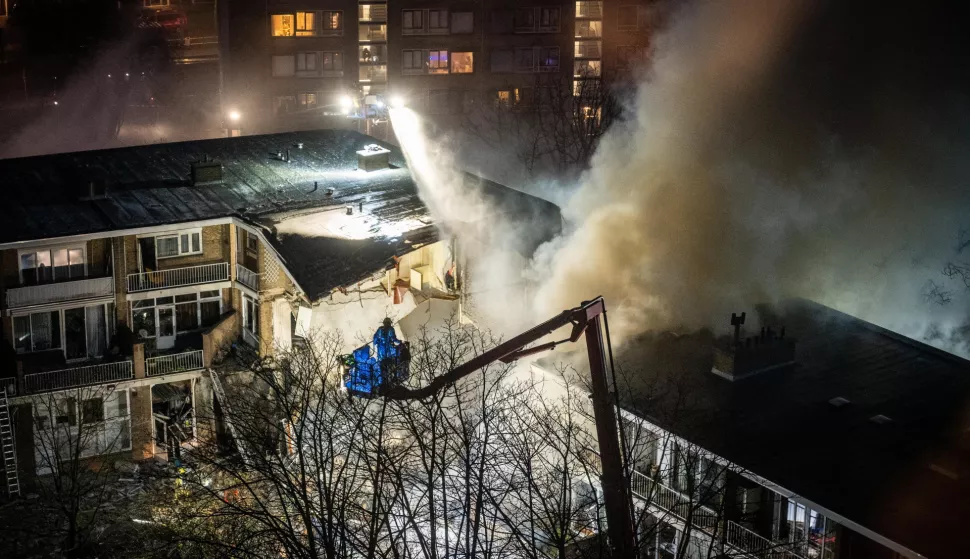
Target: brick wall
{"x":215,"y":248}
{"x":217,"y":339}
{"x":142,"y":447}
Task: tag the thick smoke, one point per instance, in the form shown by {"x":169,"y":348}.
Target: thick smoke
{"x":776,"y":149}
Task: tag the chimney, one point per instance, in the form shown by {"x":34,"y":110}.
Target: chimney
{"x":206,"y":172}
{"x":758,"y":354}
{"x":373,"y":157}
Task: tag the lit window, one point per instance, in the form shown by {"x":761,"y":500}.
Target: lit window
{"x":189,"y":242}
{"x":462,"y":63}
{"x":306,"y":25}
{"x":45,"y":266}
{"x":438,"y":62}
{"x":503,"y":97}
{"x":306,"y":100}
{"x":332,"y":23}
{"x":462,"y":22}
{"x":589,"y":29}
{"x":283,"y":25}
{"x":586,"y":68}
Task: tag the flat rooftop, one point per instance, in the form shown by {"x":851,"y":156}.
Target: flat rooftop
{"x":907,"y":479}
{"x":46,"y":197}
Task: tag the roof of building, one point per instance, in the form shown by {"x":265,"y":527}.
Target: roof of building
{"x":47,"y":196}
{"x":906,"y":479}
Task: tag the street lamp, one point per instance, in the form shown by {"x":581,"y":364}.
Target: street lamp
{"x":234,"y":118}
{"x":397,"y":102}
{"x":346,"y":103}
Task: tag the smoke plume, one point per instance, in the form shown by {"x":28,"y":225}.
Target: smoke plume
{"x":776,"y":149}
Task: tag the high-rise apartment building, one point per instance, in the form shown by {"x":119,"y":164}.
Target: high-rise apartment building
{"x":295,"y":65}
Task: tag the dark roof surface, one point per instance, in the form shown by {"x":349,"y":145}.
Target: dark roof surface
{"x":150,"y":185}
{"x":906,"y":480}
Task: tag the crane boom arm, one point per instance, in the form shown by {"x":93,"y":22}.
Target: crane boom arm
{"x":584,"y":319}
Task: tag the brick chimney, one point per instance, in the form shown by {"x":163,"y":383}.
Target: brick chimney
{"x":753,"y":355}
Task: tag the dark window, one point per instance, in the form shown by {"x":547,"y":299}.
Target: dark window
{"x":525,"y":19}
{"x":502,"y":60}
{"x":66,"y":412}
{"x":627,"y":17}
{"x":501,"y":21}
{"x":92,"y":411}
{"x":210,"y":312}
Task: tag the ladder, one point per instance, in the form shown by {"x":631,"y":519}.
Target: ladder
{"x":7,"y":445}
{"x":220,"y":393}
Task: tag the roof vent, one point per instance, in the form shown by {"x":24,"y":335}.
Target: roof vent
{"x":757,"y":354}
{"x":880,"y":419}
{"x":839,"y":401}
{"x":206,"y":172}
{"x":97,"y":190}
{"x":373,"y":157}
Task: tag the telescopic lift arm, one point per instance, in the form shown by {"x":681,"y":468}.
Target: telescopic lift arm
{"x":585,"y":319}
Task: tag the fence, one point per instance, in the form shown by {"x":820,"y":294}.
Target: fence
{"x":176,"y":363}
{"x":78,"y":376}
{"x":757,"y":545}
{"x":177,"y":277}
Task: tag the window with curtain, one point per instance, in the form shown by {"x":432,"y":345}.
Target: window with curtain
{"x":438,"y":62}
{"x":282,"y":25}
{"x":186,"y":312}
{"x":462,"y":62}
{"x":332,"y":22}
{"x":45,"y":266}
{"x":97,"y":335}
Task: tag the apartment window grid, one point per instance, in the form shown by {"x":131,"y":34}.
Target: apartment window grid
{"x":79,"y":332}
{"x":372,"y":13}
{"x":320,"y":23}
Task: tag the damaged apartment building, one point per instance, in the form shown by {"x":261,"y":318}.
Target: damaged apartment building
{"x":128,"y":273}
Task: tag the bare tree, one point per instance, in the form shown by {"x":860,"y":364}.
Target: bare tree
{"x":554,"y":123}
{"x":76,"y":432}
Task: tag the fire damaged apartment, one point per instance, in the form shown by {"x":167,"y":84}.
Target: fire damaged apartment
{"x":141,"y":268}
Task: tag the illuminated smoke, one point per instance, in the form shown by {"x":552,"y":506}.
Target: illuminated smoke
{"x":759,"y":164}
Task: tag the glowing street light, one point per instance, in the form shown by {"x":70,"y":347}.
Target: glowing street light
{"x":397,"y":102}
{"x":234,"y":116}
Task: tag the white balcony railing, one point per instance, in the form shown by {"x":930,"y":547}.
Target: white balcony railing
{"x":59,"y":292}
{"x":176,"y":277}
{"x":78,"y":376}
{"x":705,"y":519}
{"x":247,"y":277}
{"x":176,"y":363}
{"x":757,"y":545}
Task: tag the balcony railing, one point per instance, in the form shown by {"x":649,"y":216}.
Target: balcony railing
{"x":176,"y":363}
{"x":177,"y":277}
{"x":247,"y":277}
{"x":9,"y":384}
{"x":59,"y":292}
{"x":706,"y":520}
{"x":373,"y":73}
{"x":757,"y":545}
{"x":78,"y":376}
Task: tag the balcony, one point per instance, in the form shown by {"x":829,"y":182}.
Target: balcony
{"x":703,"y":518}
{"x":372,"y":12}
{"x":589,"y":10}
{"x":174,"y":363}
{"x":75,"y":377}
{"x":373,"y":73}
{"x":178,"y":277}
{"x":247,"y":277}
{"x":90,"y":288}
{"x":369,"y":32}
{"x":588,"y":49}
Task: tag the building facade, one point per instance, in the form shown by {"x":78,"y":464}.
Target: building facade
{"x":145,"y":267}
{"x":287,"y":64}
